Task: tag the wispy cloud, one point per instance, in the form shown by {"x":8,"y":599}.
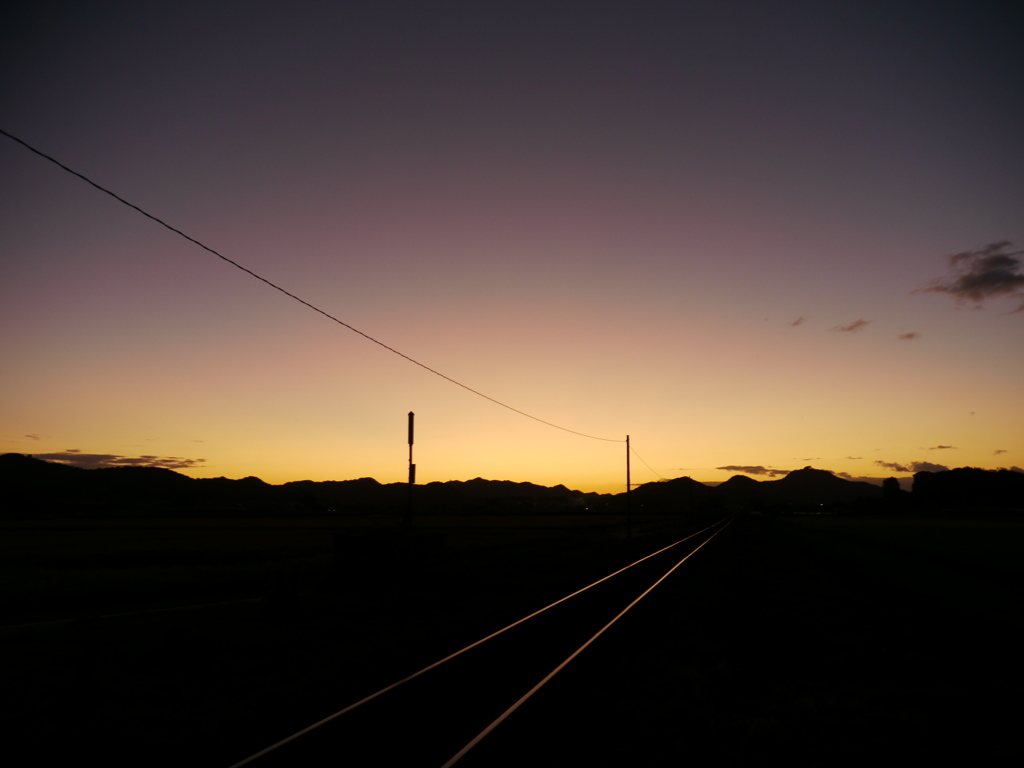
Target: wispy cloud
{"x":914,"y":466}
{"x":76,"y":458}
{"x":32,"y":437}
{"x":799,"y":321}
{"x":942,"y":448}
{"x":909,"y":336}
{"x":927,"y":466}
{"x":998,"y":451}
{"x":856,"y":325}
{"x":893,"y":466}
{"x":754,"y":470}
{"x":976,"y":276}
{"x":854,"y":458}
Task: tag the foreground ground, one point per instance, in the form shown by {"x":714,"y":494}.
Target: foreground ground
{"x":819,"y":641}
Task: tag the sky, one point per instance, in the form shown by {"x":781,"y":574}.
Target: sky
{"x":751,"y":236}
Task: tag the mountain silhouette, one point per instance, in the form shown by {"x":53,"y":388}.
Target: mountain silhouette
{"x":34,"y":487}
{"x":738,"y":492}
{"x":682,"y":491}
{"x":818,"y":486}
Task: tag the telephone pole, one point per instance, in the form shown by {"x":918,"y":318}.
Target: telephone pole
{"x":629,"y":505}
{"x":412,"y":475}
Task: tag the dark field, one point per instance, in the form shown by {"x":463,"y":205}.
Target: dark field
{"x":815,"y":640}
{"x":89,"y":566}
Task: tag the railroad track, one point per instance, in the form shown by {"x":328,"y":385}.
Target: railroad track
{"x":447,"y":712}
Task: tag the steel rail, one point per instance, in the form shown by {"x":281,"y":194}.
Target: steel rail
{"x":451,"y":656}
{"x":501,"y":718}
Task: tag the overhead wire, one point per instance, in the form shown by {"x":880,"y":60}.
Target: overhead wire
{"x":645,"y":463}
{"x":276,"y":287}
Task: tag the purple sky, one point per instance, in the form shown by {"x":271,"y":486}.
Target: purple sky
{"x":711,"y":226}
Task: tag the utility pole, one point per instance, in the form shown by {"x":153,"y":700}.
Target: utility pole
{"x":629,"y":505}
{"x":412,"y":476}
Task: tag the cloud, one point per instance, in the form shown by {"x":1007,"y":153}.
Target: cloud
{"x":976,"y":276}
{"x":927,"y":466}
{"x":757,"y":470}
{"x":76,"y":458}
{"x":997,"y":451}
{"x":909,"y":336}
{"x":853,"y":327}
{"x":799,"y":321}
{"x":943,"y":448}
{"x":893,"y":466}
{"x":854,"y":458}
{"x":914,"y":466}
{"x":32,"y":437}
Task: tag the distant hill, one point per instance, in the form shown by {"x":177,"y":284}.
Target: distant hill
{"x":682,"y":492}
{"x":809,"y":486}
{"x":806,"y":489}
{"x":32,"y":487}
{"x":738,"y":492}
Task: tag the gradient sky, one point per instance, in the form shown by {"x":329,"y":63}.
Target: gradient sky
{"x":707,"y":227}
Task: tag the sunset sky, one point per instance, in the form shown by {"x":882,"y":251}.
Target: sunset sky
{"x":722,"y":228}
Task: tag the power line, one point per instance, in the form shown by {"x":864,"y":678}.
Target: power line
{"x":276,"y":287}
{"x":644,"y":462}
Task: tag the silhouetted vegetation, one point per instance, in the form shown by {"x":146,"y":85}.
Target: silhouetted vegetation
{"x":969,"y":488}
